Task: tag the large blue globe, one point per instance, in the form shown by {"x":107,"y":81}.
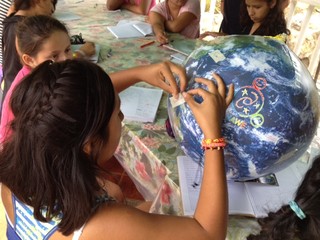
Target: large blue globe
{"x":274,"y":113}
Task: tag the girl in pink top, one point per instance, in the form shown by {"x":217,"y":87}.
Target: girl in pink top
{"x":177,"y":16}
{"x":38,"y":39}
{"x":137,"y":6}
{"x":7,"y":115}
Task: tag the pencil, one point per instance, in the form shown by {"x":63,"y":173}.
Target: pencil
{"x":147,"y":44}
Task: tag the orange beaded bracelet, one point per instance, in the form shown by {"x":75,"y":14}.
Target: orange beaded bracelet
{"x":213,"y":144}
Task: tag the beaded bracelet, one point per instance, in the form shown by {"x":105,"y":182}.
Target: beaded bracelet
{"x":213,"y":144}
{"x":209,"y":141}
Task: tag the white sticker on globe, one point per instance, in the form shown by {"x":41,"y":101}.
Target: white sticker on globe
{"x":217,"y":56}
{"x":177,"y":101}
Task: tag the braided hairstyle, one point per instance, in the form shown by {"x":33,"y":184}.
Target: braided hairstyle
{"x":58,"y":108}
{"x":284,"y":224}
{"x":273,"y":24}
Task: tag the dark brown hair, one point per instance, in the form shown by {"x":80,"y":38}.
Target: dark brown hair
{"x":33,"y":31}
{"x":58,"y":108}
{"x":274,"y":23}
{"x":284,"y":224}
{"x":27,"y":4}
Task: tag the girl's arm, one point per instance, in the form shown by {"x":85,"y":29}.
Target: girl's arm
{"x":180,"y":23}
{"x":161,"y":75}
{"x":222,"y":7}
{"x":210,"y":218}
{"x":158,"y":25}
{"x":213,"y":194}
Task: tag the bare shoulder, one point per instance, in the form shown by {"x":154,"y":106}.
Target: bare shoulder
{"x":115,"y":221}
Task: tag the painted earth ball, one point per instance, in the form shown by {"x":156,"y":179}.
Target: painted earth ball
{"x":274,"y":113}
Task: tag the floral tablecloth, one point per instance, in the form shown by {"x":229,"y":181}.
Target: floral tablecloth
{"x":146,"y":152}
{"x":116,"y":54}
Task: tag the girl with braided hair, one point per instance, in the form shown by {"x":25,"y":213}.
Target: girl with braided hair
{"x":67,"y":124}
{"x":41,"y":38}
{"x":300,"y":219}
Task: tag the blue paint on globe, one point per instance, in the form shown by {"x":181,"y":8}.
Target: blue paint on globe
{"x":274,"y":114}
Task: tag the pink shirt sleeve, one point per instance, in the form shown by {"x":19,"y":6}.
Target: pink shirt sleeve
{"x":6,"y":114}
{"x":192,"y":6}
{"x":161,"y":8}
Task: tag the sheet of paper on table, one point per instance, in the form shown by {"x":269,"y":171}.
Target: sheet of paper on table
{"x":66,"y":16}
{"x":182,"y":46}
{"x":94,"y":58}
{"x":178,"y":58}
{"x":140,"y":104}
{"x":73,"y":1}
{"x":245,"y":198}
{"x":131,"y":29}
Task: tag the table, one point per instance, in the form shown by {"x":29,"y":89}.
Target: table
{"x":146,"y":152}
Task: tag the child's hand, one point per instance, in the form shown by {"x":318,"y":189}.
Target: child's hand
{"x":163,"y":76}
{"x":162,"y":37}
{"x":210,"y":113}
{"x":88,"y":49}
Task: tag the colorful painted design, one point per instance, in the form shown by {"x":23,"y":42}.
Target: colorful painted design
{"x":249,"y":100}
